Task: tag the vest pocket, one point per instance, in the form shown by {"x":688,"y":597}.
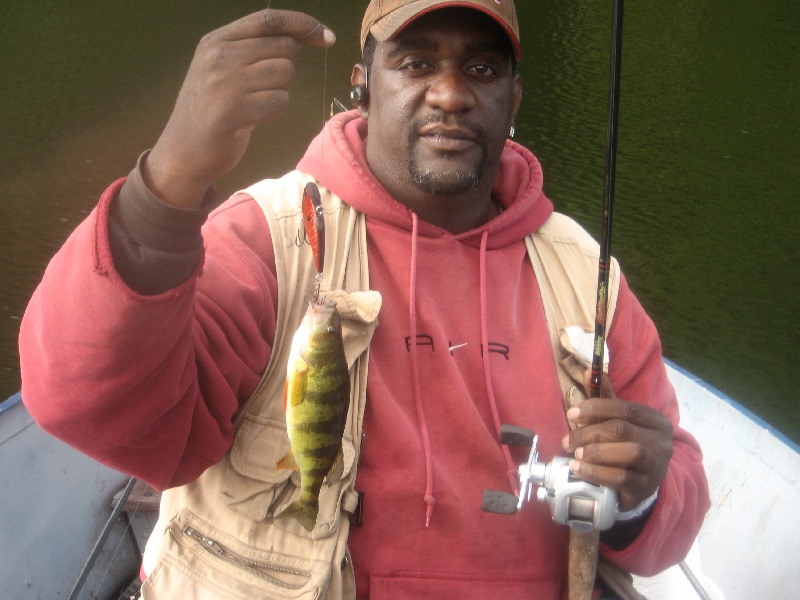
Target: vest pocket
{"x":252,"y":486}
{"x":200,"y":562}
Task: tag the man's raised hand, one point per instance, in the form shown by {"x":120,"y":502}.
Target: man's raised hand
{"x":239,"y":77}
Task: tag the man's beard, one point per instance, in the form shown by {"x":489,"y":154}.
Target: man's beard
{"x":443,"y":180}
{"x":447,"y":182}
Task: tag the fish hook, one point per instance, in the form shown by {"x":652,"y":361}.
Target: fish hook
{"x":301,"y":238}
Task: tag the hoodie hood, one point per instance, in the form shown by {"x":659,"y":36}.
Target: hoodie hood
{"x":337,"y":159}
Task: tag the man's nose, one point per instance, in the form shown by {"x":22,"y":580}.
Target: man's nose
{"x":450,"y":92}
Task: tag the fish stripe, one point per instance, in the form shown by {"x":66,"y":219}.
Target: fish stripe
{"x":312,"y":427}
{"x":320,"y":451}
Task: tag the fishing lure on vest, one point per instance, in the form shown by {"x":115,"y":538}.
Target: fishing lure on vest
{"x":314,"y":224}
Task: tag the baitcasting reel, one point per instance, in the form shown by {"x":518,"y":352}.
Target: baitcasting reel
{"x":582,"y":505}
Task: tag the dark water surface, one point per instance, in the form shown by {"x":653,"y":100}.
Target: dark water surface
{"x":706,"y":215}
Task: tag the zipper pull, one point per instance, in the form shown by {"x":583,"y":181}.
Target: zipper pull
{"x":212,"y":545}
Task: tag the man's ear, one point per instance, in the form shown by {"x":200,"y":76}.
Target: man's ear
{"x":359,"y":77}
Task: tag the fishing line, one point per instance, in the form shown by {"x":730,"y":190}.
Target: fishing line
{"x":98,"y":546}
{"x":324,"y":104}
{"x":128,"y":527}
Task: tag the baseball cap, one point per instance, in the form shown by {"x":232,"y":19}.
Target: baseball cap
{"x":384,"y":18}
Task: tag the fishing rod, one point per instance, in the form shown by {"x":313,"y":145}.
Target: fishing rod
{"x":564,"y":494}
{"x":587,"y":543}
{"x":584,"y":546}
{"x":608,"y":202}
{"x":558,"y":489}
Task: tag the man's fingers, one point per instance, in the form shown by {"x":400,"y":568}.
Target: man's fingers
{"x":262,"y":48}
{"x":598,"y":410}
{"x":632,"y":486}
{"x":618,"y":454}
{"x":607,"y":475}
{"x":275,"y":74}
{"x":605,"y":432}
{"x":263,"y":104}
{"x":272,"y":22}
{"x":647,"y":431}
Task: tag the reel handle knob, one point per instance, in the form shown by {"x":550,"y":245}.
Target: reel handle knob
{"x":499,"y":503}
{"x":511,"y":435}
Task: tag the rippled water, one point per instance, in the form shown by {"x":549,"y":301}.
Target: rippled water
{"x":706,"y":214}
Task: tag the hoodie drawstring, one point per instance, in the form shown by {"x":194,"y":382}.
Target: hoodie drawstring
{"x":512,"y":470}
{"x":423,"y":426}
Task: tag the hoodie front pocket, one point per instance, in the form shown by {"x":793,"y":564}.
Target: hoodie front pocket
{"x":401,"y":585}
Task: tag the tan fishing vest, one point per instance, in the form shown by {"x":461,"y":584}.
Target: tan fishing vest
{"x":216,"y":537}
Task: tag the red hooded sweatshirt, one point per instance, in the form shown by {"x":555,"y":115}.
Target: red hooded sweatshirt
{"x":149,"y":384}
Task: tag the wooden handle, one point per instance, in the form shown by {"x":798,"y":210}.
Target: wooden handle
{"x":582,"y":566}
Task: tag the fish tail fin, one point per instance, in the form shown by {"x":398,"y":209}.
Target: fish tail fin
{"x":303,"y":511}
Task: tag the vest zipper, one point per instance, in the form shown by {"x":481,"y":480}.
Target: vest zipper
{"x":259,"y":569}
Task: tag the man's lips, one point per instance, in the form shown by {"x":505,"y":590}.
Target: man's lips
{"x":450,"y":131}
{"x":448,"y":138}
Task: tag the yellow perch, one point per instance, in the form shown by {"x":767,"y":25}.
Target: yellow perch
{"x":316,"y":401}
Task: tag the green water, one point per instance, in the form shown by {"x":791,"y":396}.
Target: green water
{"x":706,"y":214}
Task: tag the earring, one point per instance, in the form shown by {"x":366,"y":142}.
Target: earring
{"x":358,"y":95}
{"x":511,"y":132}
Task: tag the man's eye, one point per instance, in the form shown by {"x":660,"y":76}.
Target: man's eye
{"x":482,"y":70}
{"x":413,"y":64}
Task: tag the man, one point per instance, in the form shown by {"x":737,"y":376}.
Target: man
{"x":160,"y":348}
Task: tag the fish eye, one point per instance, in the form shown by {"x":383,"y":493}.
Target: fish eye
{"x":331,"y":329}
